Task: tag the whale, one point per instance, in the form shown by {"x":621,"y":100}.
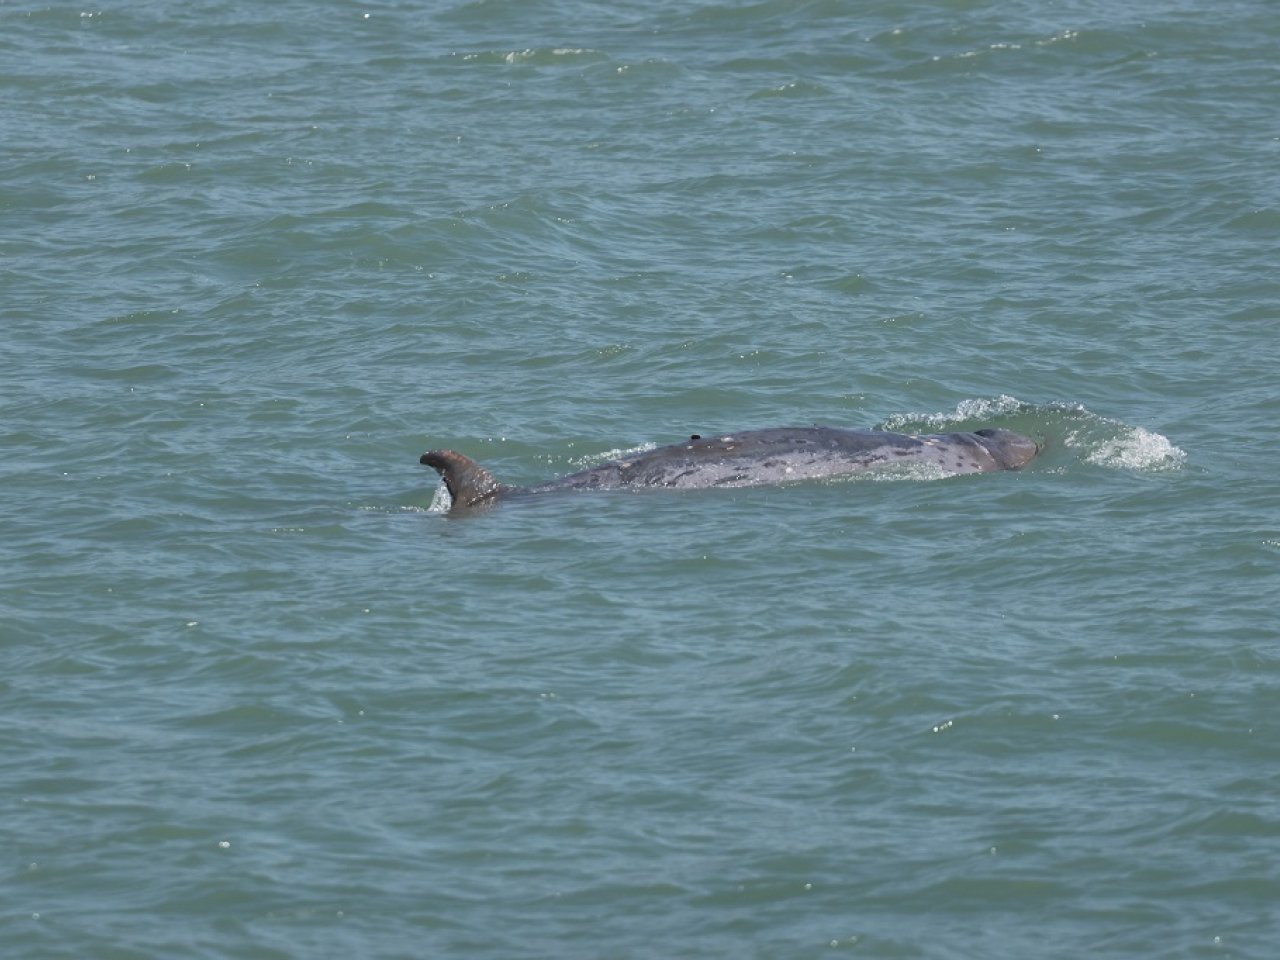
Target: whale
{"x":750,"y":458}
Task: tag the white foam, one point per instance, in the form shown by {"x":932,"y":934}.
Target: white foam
{"x":1138,"y":449}
{"x":522,"y":56}
{"x":442,"y":502}
{"x":978,"y":408}
{"x":983,"y":407}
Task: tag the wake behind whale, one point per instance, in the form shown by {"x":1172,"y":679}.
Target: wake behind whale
{"x":751,"y":458}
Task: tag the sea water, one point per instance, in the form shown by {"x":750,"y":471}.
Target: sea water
{"x":258,"y":699}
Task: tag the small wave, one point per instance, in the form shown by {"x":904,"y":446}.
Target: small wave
{"x":536,"y":55}
{"x":796,"y":88}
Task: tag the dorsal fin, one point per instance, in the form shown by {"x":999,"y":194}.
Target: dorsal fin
{"x":468,"y":482}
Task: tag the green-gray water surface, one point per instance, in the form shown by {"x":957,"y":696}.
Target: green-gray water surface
{"x":258,"y":699}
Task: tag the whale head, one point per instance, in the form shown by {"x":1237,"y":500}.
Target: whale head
{"x":1010,"y":450}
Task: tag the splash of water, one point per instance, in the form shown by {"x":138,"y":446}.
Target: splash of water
{"x":442,"y":502}
{"x":1137,"y":449}
{"x":978,"y":408}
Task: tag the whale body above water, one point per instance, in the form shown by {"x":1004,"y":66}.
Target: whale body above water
{"x":751,"y":458}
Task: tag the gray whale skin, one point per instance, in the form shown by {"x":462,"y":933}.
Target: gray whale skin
{"x":751,"y":458}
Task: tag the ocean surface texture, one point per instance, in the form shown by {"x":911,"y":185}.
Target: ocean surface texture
{"x":262,"y":698}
